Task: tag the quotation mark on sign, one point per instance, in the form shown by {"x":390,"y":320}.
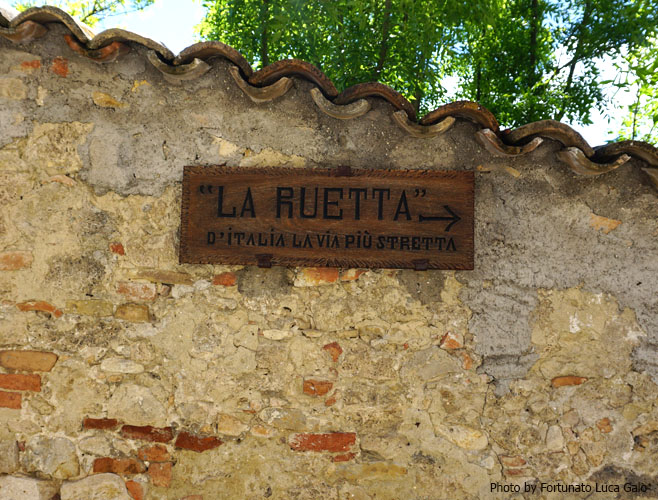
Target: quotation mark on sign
{"x":207,"y":188}
{"x":419,"y":193}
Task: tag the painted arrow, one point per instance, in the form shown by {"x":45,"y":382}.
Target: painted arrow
{"x":453,"y":217}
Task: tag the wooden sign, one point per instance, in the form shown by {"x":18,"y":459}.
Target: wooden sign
{"x":338,"y":218}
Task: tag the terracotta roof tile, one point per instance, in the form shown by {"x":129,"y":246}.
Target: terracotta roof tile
{"x":273,"y":81}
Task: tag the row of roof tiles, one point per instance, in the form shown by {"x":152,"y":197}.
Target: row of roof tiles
{"x":273,"y":81}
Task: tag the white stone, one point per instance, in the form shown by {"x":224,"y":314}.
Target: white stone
{"x":229,"y":425}
{"x":55,"y":457}
{"x":96,"y":487}
{"x":96,"y":445}
{"x":277,"y":334}
{"x":13,"y":88}
{"x":121,"y":365}
{"x":26,"y":488}
{"x":462,"y":436}
{"x":554,"y":439}
{"x":136,"y":404}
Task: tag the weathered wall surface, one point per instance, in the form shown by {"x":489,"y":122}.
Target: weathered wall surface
{"x":126,"y":375}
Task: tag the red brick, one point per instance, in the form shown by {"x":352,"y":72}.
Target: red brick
{"x":224,"y":279}
{"x":451,"y":341}
{"x":121,"y":466}
{"x":100,"y":423}
{"x":18,"y":382}
{"x":39,"y":305}
{"x":334,"y":350}
{"x":319,"y":275}
{"x":137,"y":292}
{"x":317,"y":387}
{"x":160,"y":474}
{"x":34,"y":64}
{"x":148,"y":433}
{"x":352,"y":274}
{"x":155,"y":453}
{"x":193,"y":497}
{"x":467,"y":361}
{"x":567,"y":380}
{"x":517,"y":472}
{"x":188,"y":441}
{"x":60,"y":67}
{"x":512,"y":460}
{"x":346,"y":457}
{"x":330,"y":401}
{"x":31,"y":361}
{"x":10,"y":400}
{"x":12,"y":261}
{"x":604,"y":425}
{"x":135,"y":489}
{"x":117,"y":248}
{"x":332,"y":441}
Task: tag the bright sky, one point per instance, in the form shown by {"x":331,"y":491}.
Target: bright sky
{"x":172,"y":23}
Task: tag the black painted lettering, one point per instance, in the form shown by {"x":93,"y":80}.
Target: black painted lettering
{"x":380,"y":200}
{"x":327,"y":203}
{"x":349,"y":240}
{"x":451,"y":246}
{"x":380,"y":242}
{"x":211,"y":238}
{"x":283,"y":197}
{"x":403,"y":207}
{"x":302,"y":203}
{"x":220,"y":203}
{"x":248,"y":205}
{"x":357,"y":200}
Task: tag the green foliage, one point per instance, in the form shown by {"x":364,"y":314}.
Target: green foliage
{"x":91,"y":11}
{"x":525,"y":60}
{"x":640,"y":77}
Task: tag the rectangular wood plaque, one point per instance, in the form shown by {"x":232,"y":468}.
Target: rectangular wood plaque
{"x":337,"y":218}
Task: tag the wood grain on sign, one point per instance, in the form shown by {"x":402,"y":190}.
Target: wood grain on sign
{"x":340,"y":218}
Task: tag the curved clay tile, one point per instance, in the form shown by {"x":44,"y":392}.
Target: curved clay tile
{"x":288,"y":67}
{"x":48,"y":14}
{"x":463,"y":109}
{"x":422,"y":131}
{"x":346,"y":112}
{"x":551,"y":129}
{"x":638,"y":149}
{"x":24,"y":32}
{"x":177,"y":74}
{"x":206,"y":50}
{"x":105,"y":54}
{"x":118,"y":35}
{"x":492,"y":143}
{"x":375,"y":89}
{"x":261,"y":94}
{"x":582,"y":165}
{"x":653,"y":175}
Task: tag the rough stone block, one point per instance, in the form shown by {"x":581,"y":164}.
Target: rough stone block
{"x":8,"y":456}
{"x":133,"y":312}
{"x":98,"y":308}
{"x":26,"y":488}
{"x":54,"y":457}
{"x":12,"y":88}
{"x":96,"y":487}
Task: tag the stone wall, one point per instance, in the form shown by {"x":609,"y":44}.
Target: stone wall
{"x":126,"y":375}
